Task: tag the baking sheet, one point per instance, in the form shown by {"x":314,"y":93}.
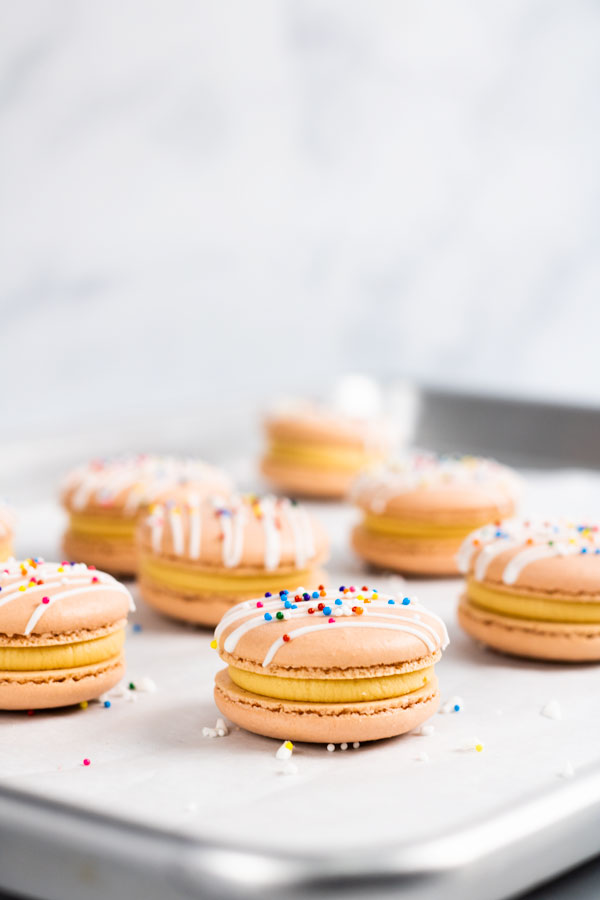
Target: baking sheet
{"x":150,"y":762}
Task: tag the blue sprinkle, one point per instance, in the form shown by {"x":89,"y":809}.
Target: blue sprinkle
{"x":107,"y":704}
{"x":338,"y":602}
{"x":391,"y":602}
{"x":456,"y":707}
{"x":315,"y":595}
{"x":584,"y":549}
{"x":137,"y":626}
{"x":282,"y":593}
{"x":326,"y":610}
{"x":268,"y":617}
{"x":306,"y":596}
{"x":406,"y":601}
{"x":267,"y":594}
{"x":342,"y":588}
{"x":294,"y":606}
{"x":498,"y":534}
{"x":287,"y":604}
{"x":597,"y":551}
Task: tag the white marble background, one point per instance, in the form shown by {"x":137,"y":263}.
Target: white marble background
{"x":203,"y":203}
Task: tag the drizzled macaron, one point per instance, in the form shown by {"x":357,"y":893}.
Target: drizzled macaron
{"x":104,"y":500}
{"x":197,"y":559}
{"x":533,"y":589}
{"x":324,"y":665}
{"x":62,"y":629}
{"x":315,"y":451}
{"x":418,"y":510}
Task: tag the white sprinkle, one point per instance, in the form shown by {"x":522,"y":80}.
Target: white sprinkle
{"x":567,"y":770}
{"x":453,"y":705}
{"x":209,"y":732}
{"x":471,"y":743}
{"x":356,"y":745}
{"x":288,"y":768}
{"x":425,"y":730}
{"x":551,"y":710}
{"x":344,"y":746}
{"x":422,"y":757}
{"x":146,"y":685}
{"x":221,"y":727}
{"x":331,"y":747}
{"x":285,"y":751}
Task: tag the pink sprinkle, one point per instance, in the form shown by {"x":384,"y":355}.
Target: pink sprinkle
{"x":259,"y":604}
{"x":91,"y":567}
{"x":86,"y":762}
{"x":332,"y":620}
{"x":45,"y":599}
{"x":352,"y":588}
{"x":94,"y":580}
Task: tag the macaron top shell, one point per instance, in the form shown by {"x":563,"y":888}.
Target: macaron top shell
{"x":38,"y":598}
{"x":7,"y":520}
{"x":561,"y":558}
{"x":423,"y":484}
{"x":239,"y":532}
{"x":354,"y":632}
{"x":125,"y":485}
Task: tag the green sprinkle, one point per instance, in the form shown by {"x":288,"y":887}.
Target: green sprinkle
{"x":280,"y":615}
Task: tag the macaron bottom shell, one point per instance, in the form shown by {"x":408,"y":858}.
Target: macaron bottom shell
{"x":419,"y":556}
{"x":207,"y":606}
{"x":297,"y":479}
{"x":315,"y":722}
{"x":118,"y":556}
{"x":530,"y":638}
{"x":59,"y":687}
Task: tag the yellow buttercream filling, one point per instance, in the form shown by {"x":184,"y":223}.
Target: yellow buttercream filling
{"x":61,"y":656}
{"x":109,"y":527}
{"x":389,"y":525}
{"x":171,"y":575}
{"x":522,"y":607}
{"x":321,"y":455}
{"x":331,"y":690}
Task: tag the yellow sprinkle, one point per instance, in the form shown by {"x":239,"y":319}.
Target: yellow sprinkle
{"x":60,"y":569}
{"x":22,"y":588}
{"x":213,"y":645}
{"x":360,"y":597}
{"x":83,"y":704}
{"x":479,"y":747}
{"x":288,"y":745}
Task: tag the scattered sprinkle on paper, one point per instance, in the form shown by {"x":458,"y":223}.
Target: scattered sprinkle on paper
{"x":331,"y":747}
{"x":146,"y":685}
{"x":472,"y":744}
{"x":285,"y":751}
{"x":551,"y":710}
{"x":425,"y":730}
{"x":220,"y":730}
{"x":453,"y":705}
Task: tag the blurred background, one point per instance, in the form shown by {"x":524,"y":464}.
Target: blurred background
{"x":204,"y":204}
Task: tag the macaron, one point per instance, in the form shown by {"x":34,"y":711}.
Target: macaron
{"x":326,"y":665}
{"x":62,"y":630}
{"x":533,"y":589}
{"x":104,"y":500}
{"x":418,"y":510}
{"x":199,"y":559}
{"x":316,"y":452}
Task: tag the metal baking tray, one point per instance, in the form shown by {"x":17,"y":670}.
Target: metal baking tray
{"x":163,"y":812}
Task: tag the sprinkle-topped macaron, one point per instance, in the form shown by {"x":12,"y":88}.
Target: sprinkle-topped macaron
{"x":329,"y":665}
{"x":315,"y":449}
{"x":197,"y":560}
{"x":105,"y":498}
{"x":417,"y":510}
{"x":62,"y":629}
{"x":533,"y":588}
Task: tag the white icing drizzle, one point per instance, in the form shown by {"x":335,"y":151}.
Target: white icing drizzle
{"x":395,"y":617}
{"x":157,"y":524}
{"x":272,"y":533}
{"x":529,"y":555}
{"x":195,"y":527}
{"x":176,"y":530}
{"x":232,"y":523}
{"x":489,"y":552}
